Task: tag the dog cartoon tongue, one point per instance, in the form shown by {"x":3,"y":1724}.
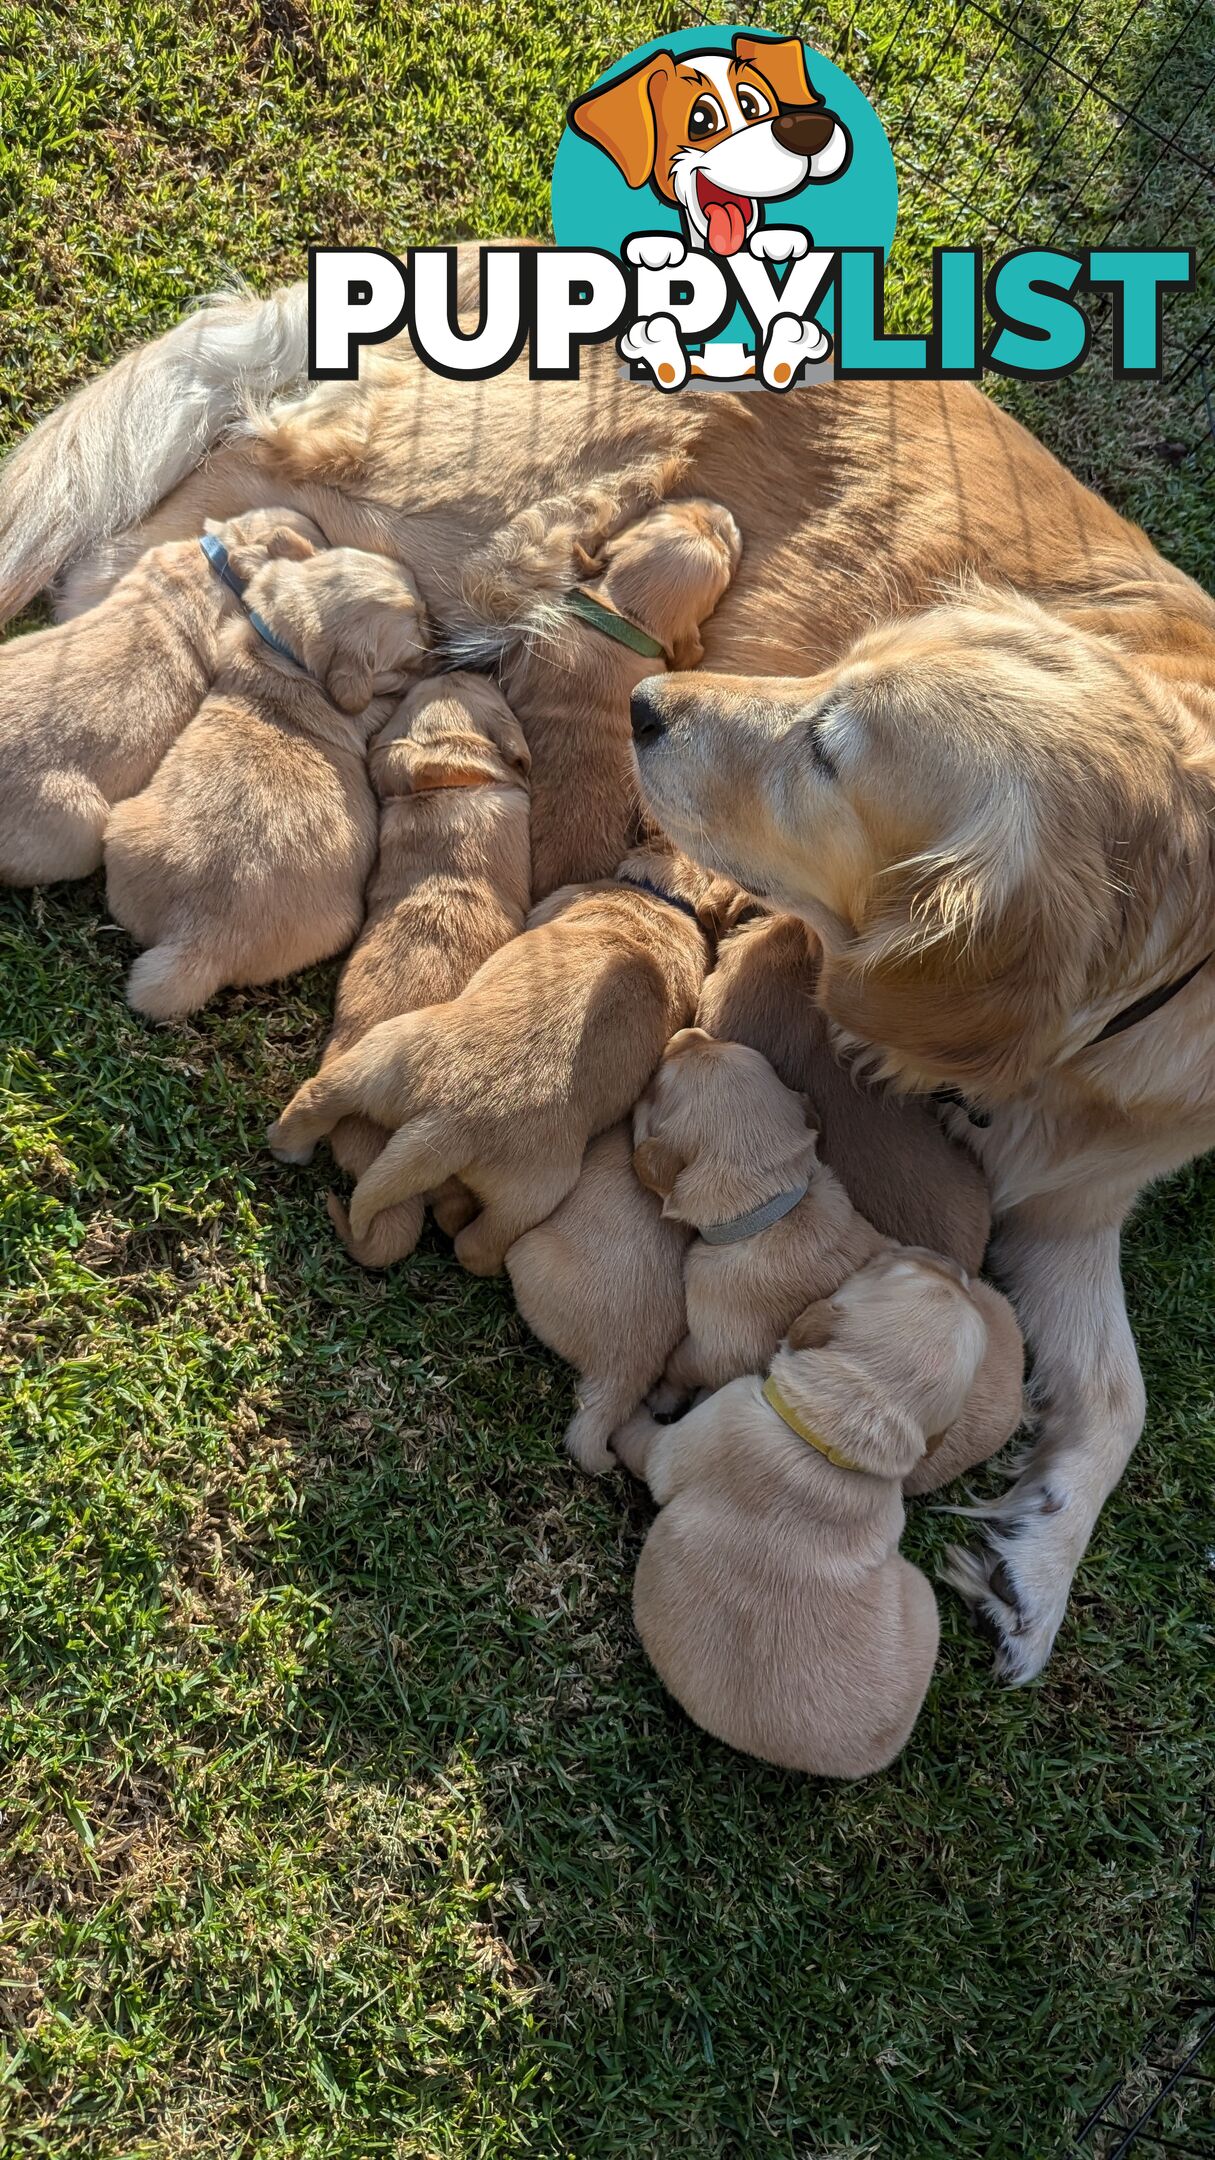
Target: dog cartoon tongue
{"x":727,"y":217}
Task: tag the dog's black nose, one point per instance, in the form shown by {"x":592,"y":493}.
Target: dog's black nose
{"x":647,"y":721}
{"x":804,"y":129}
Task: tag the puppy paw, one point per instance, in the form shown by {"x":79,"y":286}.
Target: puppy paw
{"x":665,"y":1399}
{"x":790,"y":344}
{"x":282,"y":1150}
{"x":656,"y":251}
{"x":654,"y":342}
{"x":632,"y":1441}
{"x":779,"y":243}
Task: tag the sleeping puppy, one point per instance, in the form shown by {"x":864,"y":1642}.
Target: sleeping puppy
{"x":88,"y":711}
{"x":601,"y":1283}
{"x":552,"y":1041}
{"x":730,"y":1150}
{"x":897,"y":1165}
{"x":247,"y":856}
{"x":450,"y":886}
{"x":770,"y":1596}
{"x":570,"y":681}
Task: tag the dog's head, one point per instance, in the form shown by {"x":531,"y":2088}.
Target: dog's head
{"x":355,"y":620}
{"x":989,"y":815}
{"x":895,"y":1353}
{"x":717,"y":1133}
{"x":668,"y":570}
{"x":257,"y":537}
{"x":718,"y":134}
{"x":452,"y":731}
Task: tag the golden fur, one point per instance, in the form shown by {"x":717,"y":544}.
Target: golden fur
{"x":449,"y":887}
{"x":551,"y":1042}
{"x":770,"y":1596}
{"x":897,"y":1165}
{"x":246,"y":856}
{"x":88,"y":710}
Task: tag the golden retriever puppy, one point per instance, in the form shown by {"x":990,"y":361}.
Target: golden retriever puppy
{"x":732,"y":1152}
{"x":450,"y":886}
{"x":601,"y":1282}
{"x":771,"y":1596}
{"x":897,"y":1165}
{"x":570,"y":680}
{"x":88,"y":711}
{"x":247,"y":856}
{"x":552,"y":1041}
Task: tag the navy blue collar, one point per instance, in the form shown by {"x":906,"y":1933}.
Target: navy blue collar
{"x":217,"y":555}
{"x":641,"y":884}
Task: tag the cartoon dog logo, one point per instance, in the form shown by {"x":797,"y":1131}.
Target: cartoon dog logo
{"x":720,"y":135}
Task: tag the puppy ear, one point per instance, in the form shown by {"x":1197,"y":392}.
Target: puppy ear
{"x":247,"y":557}
{"x":619,"y":118}
{"x":687,"y":651}
{"x":657,"y":1165}
{"x":287,"y":542}
{"x":812,"y":1329}
{"x":781,"y":62}
{"x":512,"y":742}
{"x":350,"y":676}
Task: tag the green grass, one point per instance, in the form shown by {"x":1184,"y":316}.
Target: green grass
{"x":341,"y":1815}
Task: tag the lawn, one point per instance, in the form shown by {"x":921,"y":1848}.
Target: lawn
{"x":341,"y":1816}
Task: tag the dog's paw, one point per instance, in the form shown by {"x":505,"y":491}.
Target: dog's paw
{"x":1017,"y":1584}
{"x":790,"y":343}
{"x":664,"y":1399}
{"x":779,"y":243}
{"x":281,"y":1151}
{"x":655,"y":343}
{"x":656,"y":251}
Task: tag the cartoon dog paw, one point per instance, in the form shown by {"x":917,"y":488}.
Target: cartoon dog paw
{"x":791,"y":342}
{"x":779,"y":244}
{"x":656,"y":251}
{"x":654,"y":341}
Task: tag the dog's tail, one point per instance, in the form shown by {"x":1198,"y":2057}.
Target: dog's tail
{"x":419,"y":1157}
{"x":168,"y":981}
{"x":108,"y":455}
{"x":392,"y":1235}
{"x":603,"y":1405}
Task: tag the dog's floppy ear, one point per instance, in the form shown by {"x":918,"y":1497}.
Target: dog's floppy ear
{"x":812,"y":1329}
{"x":247,"y":557}
{"x":619,"y":118}
{"x":506,"y":734}
{"x":657,"y":1165}
{"x":350,"y":675}
{"x":782,"y":62}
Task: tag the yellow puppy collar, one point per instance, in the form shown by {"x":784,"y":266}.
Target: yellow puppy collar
{"x":773,"y":1397}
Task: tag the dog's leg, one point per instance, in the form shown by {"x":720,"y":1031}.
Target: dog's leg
{"x":418,"y":1157}
{"x":1067,"y":1289}
{"x":483,"y":1244}
{"x":680,"y":1380}
{"x":631,"y":1445}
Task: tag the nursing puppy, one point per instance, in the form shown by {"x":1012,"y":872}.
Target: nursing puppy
{"x":570,"y":680}
{"x":729,"y":1149}
{"x":88,"y":711}
{"x":897,"y":1165}
{"x":450,"y":886}
{"x":552,"y":1041}
{"x":247,"y":856}
{"x":770,"y":1596}
{"x":601,"y":1283}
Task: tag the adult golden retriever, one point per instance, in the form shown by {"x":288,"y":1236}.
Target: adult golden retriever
{"x":858,"y":502}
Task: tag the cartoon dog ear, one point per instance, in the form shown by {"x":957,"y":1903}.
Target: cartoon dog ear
{"x":619,"y":118}
{"x":782,"y":62}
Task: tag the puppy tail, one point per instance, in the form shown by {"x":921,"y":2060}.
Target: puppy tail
{"x":392,"y":1236}
{"x":602,"y":1407}
{"x":167,"y":982}
{"x":419,"y":1157}
{"x":109,"y":454}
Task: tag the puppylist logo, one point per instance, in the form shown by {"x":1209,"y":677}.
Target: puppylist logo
{"x":724,"y":202}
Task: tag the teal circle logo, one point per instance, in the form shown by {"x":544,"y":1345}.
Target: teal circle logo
{"x":661,"y":143}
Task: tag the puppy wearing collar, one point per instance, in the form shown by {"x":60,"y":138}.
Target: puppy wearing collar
{"x":246,"y":856}
{"x":88,"y":710}
{"x":551,"y":1042}
{"x":771,"y":1597}
{"x":732,"y":1153}
{"x":450,"y":887}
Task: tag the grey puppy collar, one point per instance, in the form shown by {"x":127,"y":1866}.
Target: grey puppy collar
{"x":756,"y":1219}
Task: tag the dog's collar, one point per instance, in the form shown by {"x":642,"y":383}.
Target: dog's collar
{"x":755,"y":1220}
{"x":218,"y":557}
{"x":592,"y":611}
{"x":641,"y":884}
{"x":789,"y":1417}
{"x":1144,"y":1007}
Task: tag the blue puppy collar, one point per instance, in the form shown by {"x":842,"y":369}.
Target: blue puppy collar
{"x":218,"y":557}
{"x":757,"y":1219}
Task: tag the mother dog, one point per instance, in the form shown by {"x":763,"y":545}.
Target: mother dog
{"x":1001,"y":814}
